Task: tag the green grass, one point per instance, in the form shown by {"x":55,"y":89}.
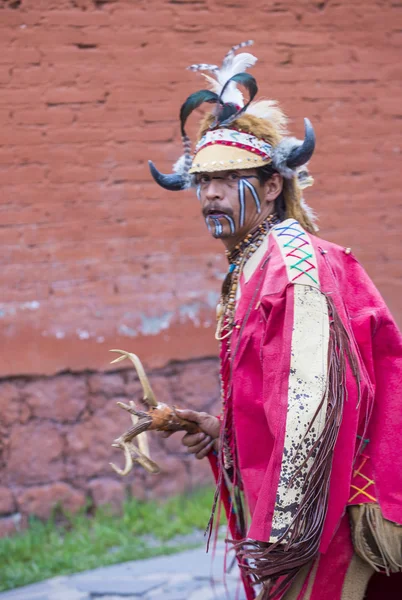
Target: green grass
{"x":78,"y":542}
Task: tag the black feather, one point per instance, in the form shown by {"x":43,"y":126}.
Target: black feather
{"x":226,"y":110}
{"x":247,"y":81}
{"x":193,"y":102}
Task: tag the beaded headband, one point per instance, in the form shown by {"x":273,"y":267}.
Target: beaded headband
{"x":235,"y":137}
{"x":219,"y":150}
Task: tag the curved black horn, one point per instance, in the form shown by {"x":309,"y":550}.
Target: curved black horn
{"x":302,"y":154}
{"x":172,"y":182}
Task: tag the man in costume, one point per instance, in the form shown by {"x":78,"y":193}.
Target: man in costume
{"x":306,"y":452}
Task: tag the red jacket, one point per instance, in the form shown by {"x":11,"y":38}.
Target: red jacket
{"x":298,"y":290}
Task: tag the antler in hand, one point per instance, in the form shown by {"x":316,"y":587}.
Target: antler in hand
{"x":160,"y":417}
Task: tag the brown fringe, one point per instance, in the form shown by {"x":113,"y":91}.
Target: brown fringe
{"x":276,"y":565}
{"x":376,"y":540}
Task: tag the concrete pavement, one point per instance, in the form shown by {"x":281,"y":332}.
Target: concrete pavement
{"x":189,"y":575}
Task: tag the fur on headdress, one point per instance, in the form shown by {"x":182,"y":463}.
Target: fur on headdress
{"x":263,"y":119}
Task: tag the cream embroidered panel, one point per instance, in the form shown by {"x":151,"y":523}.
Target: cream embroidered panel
{"x":306,"y":389}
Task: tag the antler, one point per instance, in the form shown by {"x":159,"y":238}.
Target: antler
{"x":133,"y":453}
{"x":160,"y":417}
{"x":149,"y":396}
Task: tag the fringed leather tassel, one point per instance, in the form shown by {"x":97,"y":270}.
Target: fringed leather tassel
{"x":376,"y":540}
{"x":277,"y":564}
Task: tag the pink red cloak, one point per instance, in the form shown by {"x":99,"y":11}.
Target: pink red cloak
{"x":312,"y":415}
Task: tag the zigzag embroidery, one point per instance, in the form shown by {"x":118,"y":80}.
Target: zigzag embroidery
{"x":298,"y":252}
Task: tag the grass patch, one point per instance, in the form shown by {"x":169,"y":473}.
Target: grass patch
{"x":78,"y":542}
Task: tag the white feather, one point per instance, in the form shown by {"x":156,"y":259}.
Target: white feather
{"x":232,"y":65}
{"x":238,"y":64}
{"x":233,"y":94}
{"x":214,"y":85}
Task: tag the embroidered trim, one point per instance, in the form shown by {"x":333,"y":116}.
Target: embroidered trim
{"x":365,"y":483}
{"x":298,"y":253}
{"x":232,"y":137}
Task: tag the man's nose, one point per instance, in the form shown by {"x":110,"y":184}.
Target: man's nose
{"x":214,"y":190}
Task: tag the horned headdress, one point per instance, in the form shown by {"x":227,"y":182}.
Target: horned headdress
{"x":241,"y":134}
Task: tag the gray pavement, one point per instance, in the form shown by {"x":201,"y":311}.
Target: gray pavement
{"x":189,"y":575}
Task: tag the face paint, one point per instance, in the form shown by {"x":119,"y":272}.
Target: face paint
{"x":231,"y":223}
{"x":207,"y":221}
{"x":254,"y":194}
{"x":231,"y":182}
{"x":242,"y":202}
{"x":218,"y":229}
{"x":217,"y":225}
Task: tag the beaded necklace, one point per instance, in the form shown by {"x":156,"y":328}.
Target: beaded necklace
{"x":225,"y":311}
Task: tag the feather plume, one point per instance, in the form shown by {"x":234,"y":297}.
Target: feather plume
{"x":203,"y":67}
{"x":193,"y":102}
{"x":250,"y":84}
{"x":229,"y":55}
{"x":213,"y":84}
{"x":237,"y":65}
{"x":232,"y":65}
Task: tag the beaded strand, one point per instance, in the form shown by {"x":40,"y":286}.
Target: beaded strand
{"x":225,"y":310}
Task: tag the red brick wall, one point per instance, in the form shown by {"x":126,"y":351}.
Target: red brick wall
{"x":94,"y":255}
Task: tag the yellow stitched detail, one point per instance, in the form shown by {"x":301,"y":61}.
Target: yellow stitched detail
{"x":363,"y":492}
{"x":363,"y":489}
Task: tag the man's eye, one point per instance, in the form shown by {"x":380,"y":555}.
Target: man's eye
{"x":233,"y":177}
{"x":203,"y":179}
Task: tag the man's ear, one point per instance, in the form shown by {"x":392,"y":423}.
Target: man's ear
{"x":273,"y":187}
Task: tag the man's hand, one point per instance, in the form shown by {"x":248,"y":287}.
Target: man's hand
{"x":200,"y":444}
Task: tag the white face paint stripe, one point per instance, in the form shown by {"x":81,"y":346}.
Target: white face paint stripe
{"x":231,"y":223}
{"x":199,"y":192}
{"x":241,"y":200}
{"x":254,"y":193}
{"x":218,"y":226}
{"x":207,"y":220}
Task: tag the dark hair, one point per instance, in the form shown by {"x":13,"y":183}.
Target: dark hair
{"x":264,"y":173}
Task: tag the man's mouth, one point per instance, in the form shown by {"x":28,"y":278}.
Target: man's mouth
{"x":215,"y":213}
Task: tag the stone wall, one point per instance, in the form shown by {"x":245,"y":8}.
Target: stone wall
{"x":56,"y":436}
{"x":95,"y":256}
